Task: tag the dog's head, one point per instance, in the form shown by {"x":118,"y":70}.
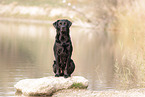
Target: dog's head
{"x":62,"y":26}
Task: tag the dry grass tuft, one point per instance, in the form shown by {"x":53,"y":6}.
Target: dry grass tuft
{"x":129,"y":27}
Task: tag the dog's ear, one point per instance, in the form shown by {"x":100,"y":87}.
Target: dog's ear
{"x":55,"y":24}
{"x":69,"y":23}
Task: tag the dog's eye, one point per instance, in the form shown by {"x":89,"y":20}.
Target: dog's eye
{"x":65,"y":23}
{"x":60,"y":23}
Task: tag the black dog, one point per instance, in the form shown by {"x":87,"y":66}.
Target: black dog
{"x":63,"y":64}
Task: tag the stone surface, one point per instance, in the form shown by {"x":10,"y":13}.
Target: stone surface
{"x":49,"y":85}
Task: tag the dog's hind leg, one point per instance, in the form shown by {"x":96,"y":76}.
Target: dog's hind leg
{"x":71,"y":68}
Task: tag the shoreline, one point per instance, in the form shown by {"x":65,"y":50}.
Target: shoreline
{"x":10,"y":19}
{"x":38,"y":21}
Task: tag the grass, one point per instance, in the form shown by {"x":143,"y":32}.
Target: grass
{"x":130,"y":30}
{"x":78,"y":86}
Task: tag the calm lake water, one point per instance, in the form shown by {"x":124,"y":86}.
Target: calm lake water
{"x":26,"y":51}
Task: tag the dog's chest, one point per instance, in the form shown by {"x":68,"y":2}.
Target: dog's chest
{"x":64,"y":49}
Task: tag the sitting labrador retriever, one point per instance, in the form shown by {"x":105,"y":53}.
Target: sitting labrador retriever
{"x":63,"y":64}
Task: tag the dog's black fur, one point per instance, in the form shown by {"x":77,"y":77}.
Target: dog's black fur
{"x":63,"y":64}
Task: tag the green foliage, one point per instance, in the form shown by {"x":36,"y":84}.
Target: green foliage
{"x":32,"y":2}
{"x":78,"y":86}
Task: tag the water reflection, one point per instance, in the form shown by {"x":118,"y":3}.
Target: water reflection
{"x":26,"y":52}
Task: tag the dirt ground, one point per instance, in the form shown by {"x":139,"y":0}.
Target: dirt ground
{"x":109,"y":93}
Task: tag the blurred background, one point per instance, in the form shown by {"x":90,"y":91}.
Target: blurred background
{"x":108,"y":38}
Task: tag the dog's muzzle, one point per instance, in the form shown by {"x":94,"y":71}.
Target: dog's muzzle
{"x":63,"y":29}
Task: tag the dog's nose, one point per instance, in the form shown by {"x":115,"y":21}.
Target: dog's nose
{"x":63,"y":28}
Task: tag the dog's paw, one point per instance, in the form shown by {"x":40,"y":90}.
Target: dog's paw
{"x":56,"y":75}
{"x":66,"y":76}
{"x":69,"y":75}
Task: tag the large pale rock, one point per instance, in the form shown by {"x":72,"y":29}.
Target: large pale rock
{"x":49,"y":85}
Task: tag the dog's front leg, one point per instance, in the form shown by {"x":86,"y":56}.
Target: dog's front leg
{"x":66,"y":67}
{"x":57,"y":67}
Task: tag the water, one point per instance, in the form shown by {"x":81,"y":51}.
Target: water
{"x":26,"y":52}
